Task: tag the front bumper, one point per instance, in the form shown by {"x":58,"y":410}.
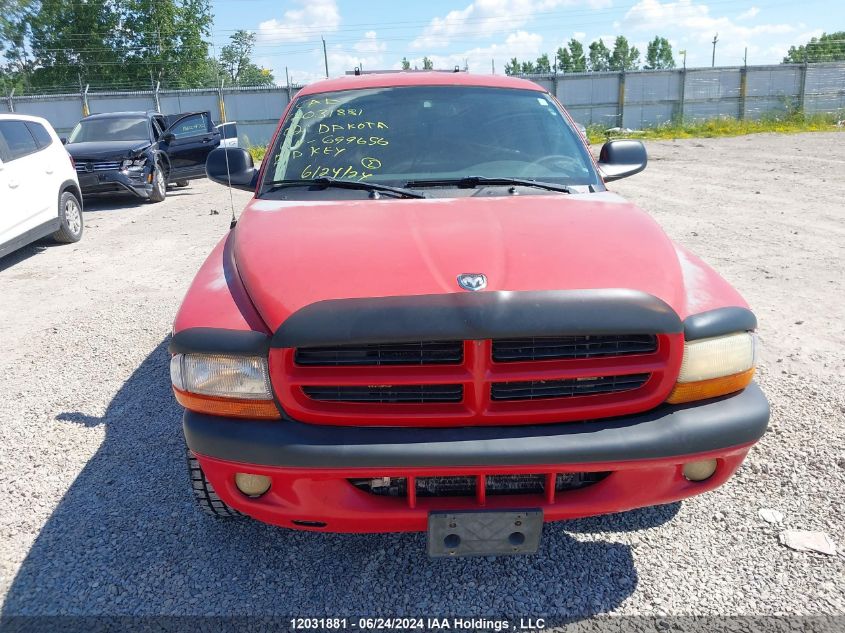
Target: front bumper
{"x":310,"y":465}
{"x":108,"y":182}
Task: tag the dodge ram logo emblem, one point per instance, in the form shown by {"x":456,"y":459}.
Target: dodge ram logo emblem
{"x":472,"y":281}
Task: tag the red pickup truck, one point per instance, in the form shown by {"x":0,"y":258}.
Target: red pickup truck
{"x":433,"y":316}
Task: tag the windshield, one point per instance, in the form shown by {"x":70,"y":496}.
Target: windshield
{"x":397,"y":135}
{"x":110,"y":129}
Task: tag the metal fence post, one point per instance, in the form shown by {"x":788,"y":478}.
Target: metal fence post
{"x":220,"y":104}
{"x":802,"y":91}
{"x":85,"y":110}
{"x":682,"y":88}
{"x":743,"y":91}
{"x":155,"y":96}
{"x":620,"y":108}
{"x":12,"y":100}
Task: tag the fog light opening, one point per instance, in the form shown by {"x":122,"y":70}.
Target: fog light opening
{"x":252,"y":485}
{"x":699,"y":471}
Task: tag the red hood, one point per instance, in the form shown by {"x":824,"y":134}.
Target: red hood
{"x":292,"y":254}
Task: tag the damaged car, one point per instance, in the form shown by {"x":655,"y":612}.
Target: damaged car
{"x":141,"y":153}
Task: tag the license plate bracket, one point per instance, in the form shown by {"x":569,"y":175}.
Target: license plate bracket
{"x":485,"y":533}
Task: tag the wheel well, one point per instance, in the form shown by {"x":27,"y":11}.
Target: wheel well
{"x":162,"y":159}
{"x":71,"y":186}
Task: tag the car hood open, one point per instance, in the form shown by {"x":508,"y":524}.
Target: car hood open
{"x":104,"y":150}
{"x":292,"y":254}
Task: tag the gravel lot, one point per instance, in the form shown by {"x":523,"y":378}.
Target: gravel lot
{"x":97,"y":514}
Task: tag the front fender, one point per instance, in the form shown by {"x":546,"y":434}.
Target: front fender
{"x":705,"y":289}
{"x":217,"y":297}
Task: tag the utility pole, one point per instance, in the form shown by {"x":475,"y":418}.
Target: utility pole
{"x":684,"y":53}
{"x":713,"y":60}
{"x":325,"y":56}
{"x":493,"y":65}
{"x":745,"y":57}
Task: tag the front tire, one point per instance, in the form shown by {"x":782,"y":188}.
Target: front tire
{"x":159,"y":192}
{"x":70,"y":219}
{"x":204,"y":494}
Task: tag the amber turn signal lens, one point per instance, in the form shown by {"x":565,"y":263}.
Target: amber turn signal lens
{"x":703,"y":389}
{"x":228,"y":407}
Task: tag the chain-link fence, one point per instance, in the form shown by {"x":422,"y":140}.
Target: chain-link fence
{"x":635,"y":100}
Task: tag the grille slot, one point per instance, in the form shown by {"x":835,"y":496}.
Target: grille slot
{"x":454,"y":486}
{"x":564,"y":347}
{"x":567,"y":388}
{"x":416,"y":353}
{"x":387,"y":394}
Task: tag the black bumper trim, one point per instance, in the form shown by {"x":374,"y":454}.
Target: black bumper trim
{"x":476,"y":316}
{"x":666,"y":432}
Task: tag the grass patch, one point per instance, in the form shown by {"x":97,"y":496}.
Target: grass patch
{"x":787,"y":124}
{"x":257,"y":152}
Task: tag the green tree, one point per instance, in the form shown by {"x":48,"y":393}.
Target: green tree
{"x":563,"y":60}
{"x":659,"y":54}
{"x":167,"y":37}
{"x":571,"y":59}
{"x":579,"y":60}
{"x":106,"y":43}
{"x":15,"y":61}
{"x":827,"y":48}
{"x":527,"y":68}
{"x":599,"y":56}
{"x":512,"y":67}
{"x":73,"y":40}
{"x":406,"y":65}
{"x":236,"y":62}
{"x":427,"y":64}
{"x":543,"y":64}
{"x":624,"y":56}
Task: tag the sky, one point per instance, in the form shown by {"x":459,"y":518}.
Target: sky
{"x":485,"y":34}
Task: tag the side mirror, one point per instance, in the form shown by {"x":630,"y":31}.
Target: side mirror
{"x":622,"y":158}
{"x":63,"y":139}
{"x":232,"y":166}
{"x":168,"y":137}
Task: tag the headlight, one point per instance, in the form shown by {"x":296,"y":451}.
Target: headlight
{"x":234,"y":386}
{"x":135,"y":164}
{"x":715,"y":367}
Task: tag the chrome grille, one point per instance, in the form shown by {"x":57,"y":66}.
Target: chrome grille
{"x":83,"y":167}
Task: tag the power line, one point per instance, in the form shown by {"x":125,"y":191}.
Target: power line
{"x":507,"y":20}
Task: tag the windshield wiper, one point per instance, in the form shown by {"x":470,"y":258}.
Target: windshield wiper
{"x":275,"y":185}
{"x":471,"y":182}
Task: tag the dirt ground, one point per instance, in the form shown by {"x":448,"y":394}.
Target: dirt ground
{"x":97,"y":514}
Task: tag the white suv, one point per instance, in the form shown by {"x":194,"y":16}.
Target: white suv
{"x":39,"y":191}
